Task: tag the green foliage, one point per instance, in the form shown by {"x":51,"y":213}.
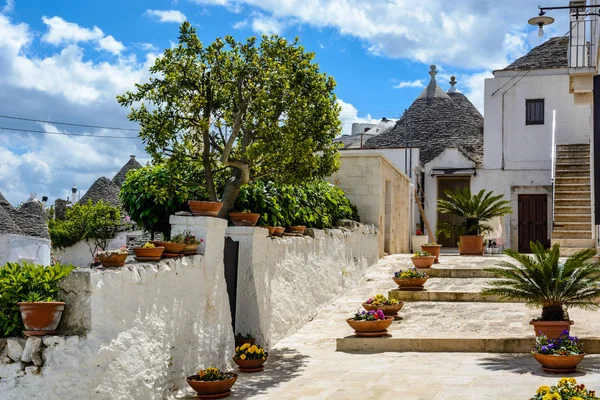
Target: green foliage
{"x":315,"y":204}
{"x":541,"y":280}
{"x":473,"y":210}
{"x":26,"y":282}
{"x":94,"y":222}
{"x":152,"y":193}
{"x":259,"y":109}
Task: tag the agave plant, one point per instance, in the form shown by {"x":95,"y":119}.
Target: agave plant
{"x":541,"y":279}
{"x":474,"y":210}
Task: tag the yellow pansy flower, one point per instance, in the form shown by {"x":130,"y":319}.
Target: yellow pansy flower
{"x":243,"y":357}
{"x":543,"y":389}
{"x":245,"y":346}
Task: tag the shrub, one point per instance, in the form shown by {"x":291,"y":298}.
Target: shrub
{"x":26,"y":282}
{"x":315,"y":204}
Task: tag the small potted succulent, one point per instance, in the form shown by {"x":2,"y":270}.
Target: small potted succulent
{"x":566,"y":389}
{"x":243,"y":339}
{"x":250,"y":357}
{"x":370,"y":323}
{"x":543,"y":280}
{"x":560,"y":355}
{"x":112,"y":258}
{"x":148,"y":252}
{"x":205,"y":208}
{"x":191,"y":244}
{"x":390,"y":307}
{"x":434,"y":249}
{"x":422,"y":259}
{"x":244,"y":218}
{"x":410,"y":279}
{"x":212,"y":383}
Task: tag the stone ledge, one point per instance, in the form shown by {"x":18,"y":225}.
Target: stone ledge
{"x":451,"y":296}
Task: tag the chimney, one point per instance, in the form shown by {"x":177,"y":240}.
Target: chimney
{"x":60,"y":209}
{"x":44,"y":200}
{"x":74,"y":194}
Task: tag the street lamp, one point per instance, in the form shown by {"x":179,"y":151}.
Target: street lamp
{"x":540,"y":21}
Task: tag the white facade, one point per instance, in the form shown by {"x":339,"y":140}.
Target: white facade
{"x":20,"y":248}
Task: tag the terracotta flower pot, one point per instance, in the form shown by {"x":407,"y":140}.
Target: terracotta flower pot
{"x":423,"y":262}
{"x":271,"y":229}
{"x":410,"y":283}
{"x":433,"y":249}
{"x":244,"y":219}
{"x":114,"y":260}
{"x":370,"y":328}
{"x":205,"y":208}
{"x":552,"y":329}
{"x":388,"y":310}
{"x":471,"y":245}
{"x":296,"y":229}
{"x":154,"y":252}
{"x":558,"y":364}
{"x":41,"y":318}
{"x":212,"y":388}
{"x":170,"y":247}
{"x":190,"y":249}
{"x":279,"y":231}
{"x":241,"y":341}
{"x":250,"y":365}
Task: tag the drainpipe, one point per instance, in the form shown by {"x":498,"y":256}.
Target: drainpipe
{"x":502,"y":164}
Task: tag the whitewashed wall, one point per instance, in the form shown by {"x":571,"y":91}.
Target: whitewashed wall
{"x":144,"y":327}
{"x":79,"y":254}
{"x":283,"y":281}
{"x":16,"y":248}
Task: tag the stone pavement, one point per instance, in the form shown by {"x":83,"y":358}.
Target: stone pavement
{"x":306,"y":365}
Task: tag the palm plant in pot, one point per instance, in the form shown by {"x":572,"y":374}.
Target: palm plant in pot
{"x":541,"y":279}
{"x":474,"y":212}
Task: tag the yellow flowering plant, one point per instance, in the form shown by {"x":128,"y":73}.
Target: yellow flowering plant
{"x":381,"y":300}
{"x":249,"y":351}
{"x":211,"y":374}
{"x":565,"y":389}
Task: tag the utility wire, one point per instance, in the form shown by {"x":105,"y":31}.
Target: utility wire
{"x":68,"y":123}
{"x":67,"y":134}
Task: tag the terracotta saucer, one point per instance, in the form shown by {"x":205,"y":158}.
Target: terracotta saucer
{"x":560,"y":370}
{"x":142,"y":259}
{"x":38,"y":333}
{"x":258,"y":369}
{"x":371,"y":334}
{"x":172,"y":255}
{"x":214,"y":396}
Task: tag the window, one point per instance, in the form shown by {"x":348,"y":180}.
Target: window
{"x":534,"y":112}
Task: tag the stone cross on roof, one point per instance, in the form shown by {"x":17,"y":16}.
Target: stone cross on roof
{"x":452,"y":85}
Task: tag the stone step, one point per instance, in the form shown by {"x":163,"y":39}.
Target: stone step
{"x":563,"y":234}
{"x":573,"y":202}
{"x":570,"y":188}
{"x":449,"y":289}
{"x":560,"y":218}
{"x":564,"y":210}
{"x":562,"y":155}
{"x":573,"y":147}
{"x":571,"y":161}
{"x":573,"y":226}
{"x":572,"y":172}
{"x":458,"y":273}
{"x":584,"y":180}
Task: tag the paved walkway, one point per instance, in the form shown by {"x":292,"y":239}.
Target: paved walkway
{"x":307,"y":366}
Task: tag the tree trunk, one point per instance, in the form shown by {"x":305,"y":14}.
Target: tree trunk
{"x":553,"y":313}
{"x":231,"y":192}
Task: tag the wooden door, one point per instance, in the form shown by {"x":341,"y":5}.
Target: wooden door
{"x":533,"y":220}
{"x":450,"y":184}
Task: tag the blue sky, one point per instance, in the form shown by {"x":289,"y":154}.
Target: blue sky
{"x":66,"y":60}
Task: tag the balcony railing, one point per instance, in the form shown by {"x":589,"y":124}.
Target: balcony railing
{"x":583,"y":40}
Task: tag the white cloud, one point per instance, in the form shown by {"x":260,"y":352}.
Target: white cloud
{"x":61,"y":31}
{"x":241,"y":24}
{"x":349,"y":115}
{"x":166,"y":15}
{"x":8,"y":7}
{"x":266,"y":26}
{"x":111,"y":45}
{"x":468,"y":34}
{"x":147,"y":46}
{"x":417,"y":83}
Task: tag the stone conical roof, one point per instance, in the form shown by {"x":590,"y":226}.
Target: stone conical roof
{"x":7,"y":224}
{"x":103,"y":189}
{"x":120,"y":177}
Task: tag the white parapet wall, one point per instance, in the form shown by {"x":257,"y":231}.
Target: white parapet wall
{"x":140,"y":330}
{"x":282,"y":282}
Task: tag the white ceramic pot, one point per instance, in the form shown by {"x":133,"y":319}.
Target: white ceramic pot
{"x":417,"y":240}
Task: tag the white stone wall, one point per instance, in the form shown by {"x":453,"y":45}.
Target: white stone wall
{"x":16,"y":248}
{"x":143,"y":329}
{"x":283,"y":281}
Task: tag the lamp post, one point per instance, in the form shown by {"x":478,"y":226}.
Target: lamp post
{"x":542,"y":20}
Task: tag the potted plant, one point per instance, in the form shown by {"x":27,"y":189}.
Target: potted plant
{"x":560,"y":355}
{"x":250,"y":357}
{"x":390,"y":307}
{"x":205,"y":208}
{"x":566,"y":389}
{"x":172,"y":247}
{"x":244,"y":218}
{"x":148,"y":252}
{"x":191,"y":244}
{"x":422,"y":259}
{"x":279,"y":231}
{"x":243,"y":339}
{"x":410,"y":279}
{"x":112,"y":258}
{"x":474,"y":212}
{"x":370,"y":323}
{"x":434,"y":249}
{"x":31,"y":290}
{"x":542,"y":280}
{"x":211,"y":383}
{"x":418,"y":239}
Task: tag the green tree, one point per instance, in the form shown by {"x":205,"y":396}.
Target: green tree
{"x":93,"y":223}
{"x":255,"y":110}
